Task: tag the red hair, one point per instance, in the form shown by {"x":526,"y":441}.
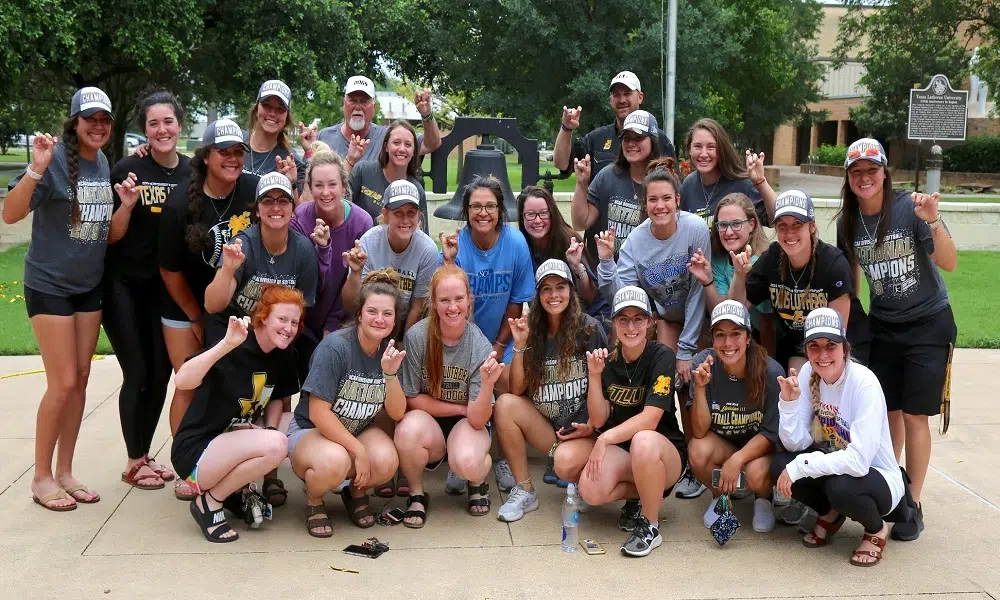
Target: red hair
{"x":276,"y":294}
{"x":435,"y":347}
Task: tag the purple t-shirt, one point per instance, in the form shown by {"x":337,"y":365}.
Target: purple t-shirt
{"x":328,"y":312}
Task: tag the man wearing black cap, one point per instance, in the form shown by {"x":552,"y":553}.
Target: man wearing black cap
{"x":602,"y":143}
{"x":359,"y":109}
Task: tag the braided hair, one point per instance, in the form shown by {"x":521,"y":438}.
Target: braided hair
{"x":818,"y":435}
{"x":71,"y":142}
{"x":196,"y":234}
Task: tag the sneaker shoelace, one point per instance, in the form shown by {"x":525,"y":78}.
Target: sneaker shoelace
{"x":503,"y":470}
{"x":518,"y":495}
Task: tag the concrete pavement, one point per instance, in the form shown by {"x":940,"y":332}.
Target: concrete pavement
{"x":143,"y":544}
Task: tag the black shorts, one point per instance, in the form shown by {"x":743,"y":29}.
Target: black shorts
{"x":681,"y":451}
{"x":447,"y":424}
{"x":913,"y":361}
{"x":40,"y":303}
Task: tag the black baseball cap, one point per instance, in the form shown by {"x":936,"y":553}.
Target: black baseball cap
{"x":89,"y":101}
{"x":223,"y":134}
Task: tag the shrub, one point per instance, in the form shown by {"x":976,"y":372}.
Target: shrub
{"x":980,"y":154}
{"x":830,"y":155}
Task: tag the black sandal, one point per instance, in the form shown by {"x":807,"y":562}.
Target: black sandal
{"x":358,"y":508}
{"x":208,"y":519}
{"x":275,"y":492}
{"x":483,"y":489}
{"x":419,"y":514}
{"x":313,"y":522}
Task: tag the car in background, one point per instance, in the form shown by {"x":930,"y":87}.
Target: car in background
{"x":134,"y":140}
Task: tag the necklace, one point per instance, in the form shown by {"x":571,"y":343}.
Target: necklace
{"x":166,"y":171}
{"x":278,"y":253}
{"x":213,"y":199}
{"x":263,"y":161}
{"x":709,"y":195}
{"x":794,"y":278}
{"x":877,"y":223}
{"x":633,"y":373}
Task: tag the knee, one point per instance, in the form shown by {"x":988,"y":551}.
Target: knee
{"x":470,"y":465}
{"x":408,"y":431}
{"x":645,"y":447}
{"x":567,"y":464}
{"x":83,"y":374}
{"x":384,"y":461}
{"x":275,"y":447}
{"x":915,"y":422}
{"x":591,"y":492}
{"x":759,"y":475}
{"x":503,"y":408}
{"x":839,"y":488}
{"x":699,"y":453}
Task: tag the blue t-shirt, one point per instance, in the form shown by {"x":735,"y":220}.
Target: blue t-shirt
{"x":723,"y":270}
{"x":498,"y":277}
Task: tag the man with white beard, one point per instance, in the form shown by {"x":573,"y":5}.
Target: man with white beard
{"x":359,"y":109}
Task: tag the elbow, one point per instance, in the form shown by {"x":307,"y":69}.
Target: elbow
{"x":951,"y":264}
{"x":10,"y":218}
{"x":183,"y":381}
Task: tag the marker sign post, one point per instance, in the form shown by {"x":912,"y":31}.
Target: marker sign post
{"x":938,"y":112}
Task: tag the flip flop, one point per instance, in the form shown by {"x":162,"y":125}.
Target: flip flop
{"x":82,"y":488}
{"x":135,"y":480}
{"x":56,"y":495}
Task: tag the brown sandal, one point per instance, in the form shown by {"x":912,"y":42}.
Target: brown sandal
{"x":135,"y":480}
{"x":59,"y":494}
{"x":313,"y":522}
{"x":814,"y":541}
{"x":164,"y":473}
{"x":876,"y":554}
{"x":357,"y":508}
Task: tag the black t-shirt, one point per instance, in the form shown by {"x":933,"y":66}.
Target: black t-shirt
{"x":224,"y":219}
{"x":647,"y":381}
{"x":234,"y":391}
{"x":602,"y":145}
{"x":134,"y":254}
{"x":788,"y":294}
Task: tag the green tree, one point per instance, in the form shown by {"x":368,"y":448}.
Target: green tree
{"x":214,"y":53}
{"x":903,"y":43}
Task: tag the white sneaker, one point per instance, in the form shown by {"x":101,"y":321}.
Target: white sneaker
{"x":519,"y":502}
{"x":505,"y":479}
{"x":763,"y":515}
{"x":454,"y":485}
{"x":710,"y":515}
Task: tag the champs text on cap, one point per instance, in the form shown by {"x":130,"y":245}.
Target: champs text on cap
{"x":824,"y":321}
{"x":731,"y":310}
{"x":793,"y":202}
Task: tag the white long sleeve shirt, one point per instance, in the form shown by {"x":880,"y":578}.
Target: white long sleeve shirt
{"x":853,"y":415}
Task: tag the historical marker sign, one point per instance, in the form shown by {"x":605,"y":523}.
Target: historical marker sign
{"x":938,"y":112}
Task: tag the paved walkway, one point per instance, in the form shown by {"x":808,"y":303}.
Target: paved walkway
{"x":143,"y":545}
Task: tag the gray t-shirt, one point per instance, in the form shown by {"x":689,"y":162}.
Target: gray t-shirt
{"x":904,"y":282}
{"x":660,"y":268}
{"x":562,"y":397}
{"x":368,"y":184}
{"x":461,"y":380}
{"x":697,"y":199}
{"x":415,"y":265}
{"x":334,"y":137}
{"x":732,"y":419}
{"x":65,"y":259}
{"x":262,"y":163}
{"x":616,"y":197}
{"x":351,"y":381}
{"x":296,"y":267}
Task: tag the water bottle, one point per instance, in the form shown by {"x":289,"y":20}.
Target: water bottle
{"x":570,"y":520}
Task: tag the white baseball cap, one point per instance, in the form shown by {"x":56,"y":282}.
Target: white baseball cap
{"x":360,"y":83}
{"x":553,"y":266}
{"x":273,"y":181}
{"x":733,"y":311}
{"x":628,"y":79}
{"x":824,"y":323}
{"x":276,"y":88}
{"x":631,"y":295}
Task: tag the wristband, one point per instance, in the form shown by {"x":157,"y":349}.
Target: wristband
{"x":935,"y":223}
{"x":307,"y":154}
{"x":429,"y":117}
{"x":762,"y":181}
{"x":32,"y":173}
{"x":388,"y":375}
{"x":516,"y":351}
{"x":709,"y":283}
{"x":564,"y":128}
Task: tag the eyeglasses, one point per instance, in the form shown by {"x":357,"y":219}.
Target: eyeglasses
{"x":490,"y":208}
{"x":623,"y":321}
{"x":283,"y":201}
{"x":736,"y":225}
{"x":531,"y":215}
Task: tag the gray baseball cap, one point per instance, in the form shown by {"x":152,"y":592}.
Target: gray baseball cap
{"x":733,"y":311}
{"x":88,"y":101}
{"x":552,"y":266}
{"x":273,"y":181}
{"x":794,"y":203}
{"x":223,"y":134}
{"x":641,"y":122}
{"x":401,"y":192}
{"x":278,"y":89}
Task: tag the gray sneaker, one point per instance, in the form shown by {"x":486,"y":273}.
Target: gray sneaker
{"x":689,"y":487}
{"x":780,"y":500}
{"x":808,"y":522}
{"x":454,"y":485}
{"x":644,"y":539}
{"x":505,"y":479}
{"x":791,"y":514}
{"x":519,"y":502}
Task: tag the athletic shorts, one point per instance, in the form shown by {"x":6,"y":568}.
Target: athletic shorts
{"x":40,"y":303}
{"x":447,"y":424}
{"x":913,"y":361}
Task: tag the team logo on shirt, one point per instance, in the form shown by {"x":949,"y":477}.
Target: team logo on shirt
{"x":252,"y":408}
{"x":490,"y":283}
{"x":607,"y":144}
{"x":662,"y":386}
{"x":249,"y":296}
{"x":376,"y":197}
{"x":623,"y":395}
{"x":96,"y":206}
{"x":220,"y":234}
{"x":733,"y":420}
{"x":359,"y":398}
{"x":891,"y":268}
{"x":454,"y":380}
{"x":407,"y":279}
{"x":624,"y":215}
{"x":154,"y":195}
{"x":668,"y":281}
{"x":793,"y":304}
{"x":837,"y":432}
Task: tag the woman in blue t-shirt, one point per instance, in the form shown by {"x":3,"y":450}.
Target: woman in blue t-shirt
{"x":68,"y":187}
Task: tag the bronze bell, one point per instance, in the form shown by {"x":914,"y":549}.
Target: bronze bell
{"x":484,"y":161}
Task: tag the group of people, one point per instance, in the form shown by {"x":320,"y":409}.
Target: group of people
{"x":253,"y":275}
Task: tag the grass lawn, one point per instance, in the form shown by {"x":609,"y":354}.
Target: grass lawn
{"x":973,"y":297}
{"x":14,"y":155}
{"x":970,"y":198}
{"x":17,"y":338}
{"x":513,"y":173}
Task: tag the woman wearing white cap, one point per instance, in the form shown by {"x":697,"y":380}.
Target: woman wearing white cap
{"x":640,"y":454}
{"x":838,"y":457}
{"x":734,"y":413}
{"x":270,"y":147}
{"x":718,"y":172}
{"x":398,"y":160}
{"x":133,"y":288}
{"x":548,"y":380}
{"x":68,"y":187}
{"x":200,"y":217}
{"x":655,"y":258}
{"x":611,"y":200}
{"x":899,"y":241}
{"x":266,"y":253}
